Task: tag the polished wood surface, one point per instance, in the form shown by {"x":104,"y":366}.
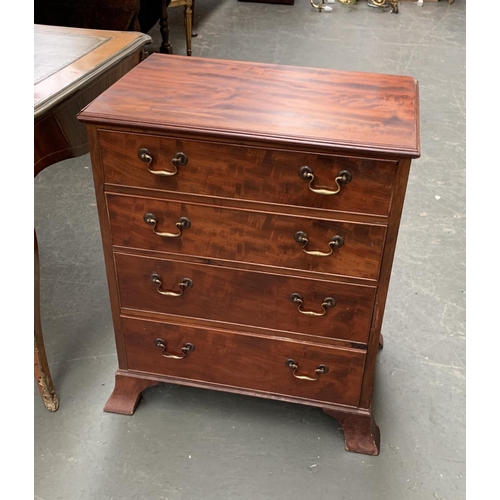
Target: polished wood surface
{"x":127,"y":394}
{"x":188,"y":20}
{"x":250,"y":298}
{"x":361,"y":433}
{"x":247,"y":361}
{"x":248,"y":173}
{"x":384,"y":280}
{"x":72,"y":67}
{"x":339,"y":109}
{"x":68,"y":59}
{"x":236,"y":235}
{"x":241,"y":191}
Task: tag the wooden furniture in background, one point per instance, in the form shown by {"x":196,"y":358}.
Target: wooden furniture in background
{"x":114,"y":15}
{"x":249,"y":215}
{"x":188,"y":20}
{"x":72,"y":67}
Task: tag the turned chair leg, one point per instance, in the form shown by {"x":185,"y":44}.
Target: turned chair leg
{"x":188,"y":24}
{"x":165,"y":47}
{"x":193,"y":33}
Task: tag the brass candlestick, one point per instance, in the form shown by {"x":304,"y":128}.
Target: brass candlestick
{"x":383,"y":4}
{"x":321,"y":6}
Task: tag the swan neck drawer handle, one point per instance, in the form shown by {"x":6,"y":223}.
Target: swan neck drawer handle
{"x":320,"y":369}
{"x":296,"y":298}
{"x":185,"y":350}
{"x":183,"y":285}
{"x":307,"y":174}
{"x":182,"y":223}
{"x":179,"y":160}
{"x":336,"y":242}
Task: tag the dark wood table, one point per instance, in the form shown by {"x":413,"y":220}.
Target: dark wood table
{"x":72,"y":67}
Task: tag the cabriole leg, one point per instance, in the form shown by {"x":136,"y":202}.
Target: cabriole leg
{"x":42,"y":371}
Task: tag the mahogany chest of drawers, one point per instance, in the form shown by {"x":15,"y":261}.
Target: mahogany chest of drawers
{"x":249,"y":216}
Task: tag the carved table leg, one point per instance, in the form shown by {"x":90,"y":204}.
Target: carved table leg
{"x":361,"y":433}
{"x":165,"y":47}
{"x":127,"y":394}
{"x":42,"y":372}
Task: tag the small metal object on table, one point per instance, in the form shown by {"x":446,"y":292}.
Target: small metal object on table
{"x":72,"y":67}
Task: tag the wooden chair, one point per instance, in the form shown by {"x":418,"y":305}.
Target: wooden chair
{"x":188,"y":20}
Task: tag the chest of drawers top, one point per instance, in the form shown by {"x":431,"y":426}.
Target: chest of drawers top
{"x":358,"y":113}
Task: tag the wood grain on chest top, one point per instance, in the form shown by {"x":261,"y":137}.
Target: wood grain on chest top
{"x":358,"y":111}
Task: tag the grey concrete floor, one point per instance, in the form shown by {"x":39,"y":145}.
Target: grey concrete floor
{"x":185,"y":443}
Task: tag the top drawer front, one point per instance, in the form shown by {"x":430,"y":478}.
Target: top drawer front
{"x":247,"y":173}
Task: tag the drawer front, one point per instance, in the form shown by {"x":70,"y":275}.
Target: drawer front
{"x":247,"y":173}
{"x":245,"y":297}
{"x":240,"y":235}
{"x":244,"y":361}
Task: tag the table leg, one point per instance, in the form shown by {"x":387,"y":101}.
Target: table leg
{"x":42,"y":372}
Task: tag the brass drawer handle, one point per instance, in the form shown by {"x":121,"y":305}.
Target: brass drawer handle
{"x":296,"y":298}
{"x":179,"y":160}
{"x":186,"y":349}
{"x":307,"y":174}
{"x":185,"y":283}
{"x":320,"y":369}
{"x":182,"y":223}
{"x":336,"y":242}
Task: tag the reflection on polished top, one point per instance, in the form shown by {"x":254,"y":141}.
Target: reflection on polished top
{"x":352,"y":111}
